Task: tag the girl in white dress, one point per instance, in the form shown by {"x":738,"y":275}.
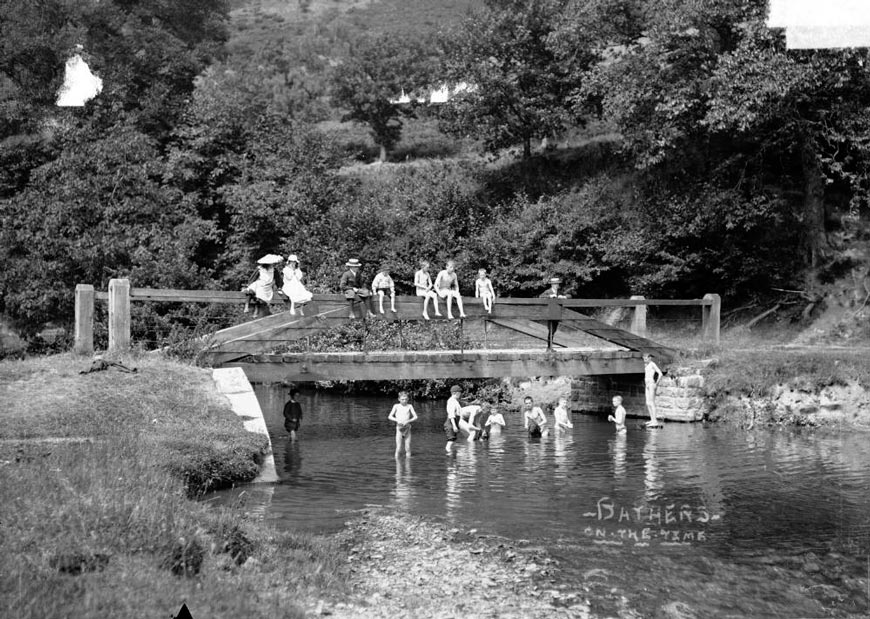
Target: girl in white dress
{"x":293,"y":288}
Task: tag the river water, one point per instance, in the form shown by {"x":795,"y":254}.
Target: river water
{"x":731,"y":524}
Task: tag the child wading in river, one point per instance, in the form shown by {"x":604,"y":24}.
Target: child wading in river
{"x":619,"y":417}
{"x":403,"y":414}
{"x":562,"y":421}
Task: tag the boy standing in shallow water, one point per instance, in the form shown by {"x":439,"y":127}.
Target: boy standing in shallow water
{"x":534,"y":419}
{"x":561,"y":420}
{"x":454,"y":414}
{"x":403,"y":414}
{"x":619,"y":417}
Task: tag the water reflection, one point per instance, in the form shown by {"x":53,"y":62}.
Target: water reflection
{"x":563,"y":444}
{"x":618,"y":448}
{"x":652,"y":476}
{"x":403,"y":493}
{"x":292,"y":460}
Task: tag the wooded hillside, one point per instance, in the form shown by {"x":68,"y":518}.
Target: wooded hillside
{"x":685,"y":150}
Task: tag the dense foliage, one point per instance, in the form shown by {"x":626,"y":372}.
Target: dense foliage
{"x":695,"y":154}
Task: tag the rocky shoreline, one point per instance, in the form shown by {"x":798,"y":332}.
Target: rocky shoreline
{"x":407,"y":566}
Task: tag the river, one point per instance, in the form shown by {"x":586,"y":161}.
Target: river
{"x":772,"y":523}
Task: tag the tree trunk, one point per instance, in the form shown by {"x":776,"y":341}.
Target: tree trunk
{"x":527,"y":147}
{"x":383,"y":156}
{"x":814,"y":204}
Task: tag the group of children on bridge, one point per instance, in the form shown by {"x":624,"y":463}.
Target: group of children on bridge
{"x":267,"y":281}
{"x":480,"y":421}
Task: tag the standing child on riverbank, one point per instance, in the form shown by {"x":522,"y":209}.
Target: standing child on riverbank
{"x":483,"y":289}
{"x":403,"y":415}
{"x":651,"y":377}
{"x":619,"y":417}
{"x":454,"y":414}
{"x":561,"y":420}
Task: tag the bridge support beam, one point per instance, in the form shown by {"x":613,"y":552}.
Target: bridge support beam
{"x":437,"y":364}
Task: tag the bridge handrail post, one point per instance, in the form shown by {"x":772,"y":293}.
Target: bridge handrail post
{"x":119,"y":315}
{"x":84,"y":320}
{"x":711,"y":317}
{"x":638,"y":318}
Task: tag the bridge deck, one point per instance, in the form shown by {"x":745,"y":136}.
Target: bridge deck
{"x":398,"y":365}
{"x":527,"y":316}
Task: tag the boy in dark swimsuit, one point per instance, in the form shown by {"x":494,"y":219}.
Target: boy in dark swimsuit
{"x":292,"y":414}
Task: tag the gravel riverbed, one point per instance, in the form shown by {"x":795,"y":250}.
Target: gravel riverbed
{"x":405,"y":566}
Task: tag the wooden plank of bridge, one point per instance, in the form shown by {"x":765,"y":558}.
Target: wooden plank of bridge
{"x":437,"y":364}
{"x":562,"y":338}
{"x":619,"y":336}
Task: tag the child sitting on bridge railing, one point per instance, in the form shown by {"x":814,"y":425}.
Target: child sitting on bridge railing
{"x":447,"y":287}
{"x":483,"y":290}
{"x":383,"y":284}
{"x":425,"y":289}
{"x":263,"y":284}
{"x":293,"y":288}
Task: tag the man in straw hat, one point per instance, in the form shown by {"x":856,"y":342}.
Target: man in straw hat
{"x":354,"y":291}
{"x":263,"y":284}
{"x":553,"y":291}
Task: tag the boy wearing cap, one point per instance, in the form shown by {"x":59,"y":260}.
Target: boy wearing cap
{"x":383,"y":284}
{"x":454,"y":412}
{"x":553,"y":291}
{"x":351,"y":285}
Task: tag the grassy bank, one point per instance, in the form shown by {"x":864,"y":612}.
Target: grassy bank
{"x":97,"y":472}
{"x":787,"y":385}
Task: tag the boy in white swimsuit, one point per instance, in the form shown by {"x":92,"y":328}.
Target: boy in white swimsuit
{"x":383,"y":284}
{"x":483,"y":290}
{"x":447,"y":287}
{"x":403,"y":415}
{"x":454,"y":414}
{"x":651,"y":377}
{"x":425,"y":289}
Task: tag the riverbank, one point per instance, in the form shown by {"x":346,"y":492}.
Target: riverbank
{"x":406,"y":566}
{"x":98,"y":475}
{"x":797,"y":386}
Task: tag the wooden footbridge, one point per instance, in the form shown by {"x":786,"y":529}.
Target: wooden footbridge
{"x":562,"y":331}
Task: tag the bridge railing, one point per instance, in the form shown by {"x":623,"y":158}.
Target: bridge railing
{"x":120,"y":295}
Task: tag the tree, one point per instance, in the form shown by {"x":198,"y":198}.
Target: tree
{"x":96,"y":212}
{"x":376,"y":71}
{"x":518,"y":87}
{"x":704,"y":93}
